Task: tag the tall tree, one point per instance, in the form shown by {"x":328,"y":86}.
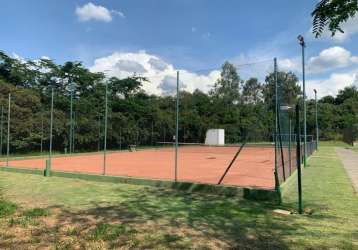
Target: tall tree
{"x":289,"y":89}
{"x":252,"y":91}
{"x":227,"y":87}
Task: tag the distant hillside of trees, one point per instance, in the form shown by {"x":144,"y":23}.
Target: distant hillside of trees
{"x":244,"y":108}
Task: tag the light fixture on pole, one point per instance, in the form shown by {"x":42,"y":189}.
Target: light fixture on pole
{"x":301,"y":41}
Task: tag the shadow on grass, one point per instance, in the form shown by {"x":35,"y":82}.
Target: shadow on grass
{"x":162,"y":218}
{"x":237,"y":223}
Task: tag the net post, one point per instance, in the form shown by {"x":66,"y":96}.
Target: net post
{"x":8,"y":130}
{"x":177,"y":131}
{"x":298,"y":152}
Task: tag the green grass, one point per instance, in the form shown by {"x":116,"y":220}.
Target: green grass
{"x":333,"y":144}
{"x":36,"y":212}
{"x":107,"y":215}
{"x":104,"y":231}
{"x":7,"y":208}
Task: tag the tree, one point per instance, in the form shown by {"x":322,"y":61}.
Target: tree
{"x":126,"y":87}
{"x":332,"y":13}
{"x":327,"y":99}
{"x":252,"y":91}
{"x":346,"y":93}
{"x":288,"y":92}
{"x":227,"y":87}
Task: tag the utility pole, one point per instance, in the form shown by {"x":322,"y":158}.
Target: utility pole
{"x":303,"y":45}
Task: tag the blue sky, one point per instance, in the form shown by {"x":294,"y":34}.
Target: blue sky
{"x":194,"y":37}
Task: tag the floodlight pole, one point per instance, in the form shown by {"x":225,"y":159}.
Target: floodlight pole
{"x":105,"y":131}
{"x":177,"y":130}
{"x":317,"y":133}
{"x":303,"y":45}
{"x":1,"y":128}
{"x":8,"y":131}
{"x":51,"y":128}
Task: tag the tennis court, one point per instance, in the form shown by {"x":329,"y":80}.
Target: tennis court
{"x":254,"y":166}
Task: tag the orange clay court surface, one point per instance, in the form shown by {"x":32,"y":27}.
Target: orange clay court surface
{"x":254,"y":167}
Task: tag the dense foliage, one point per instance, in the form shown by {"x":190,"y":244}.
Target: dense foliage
{"x":242,"y":108}
{"x":332,"y":13}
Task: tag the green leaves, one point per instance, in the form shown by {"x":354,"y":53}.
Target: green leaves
{"x":332,"y":13}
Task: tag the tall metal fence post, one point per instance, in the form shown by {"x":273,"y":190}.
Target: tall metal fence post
{"x":42,"y":132}
{"x":73,"y":131}
{"x":8,"y":131}
{"x":71,"y":121}
{"x":177,"y":130}
{"x":298,"y":152}
{"x":51,"y":132}
{"x":1,"y":129}
{"x":289,"y":146}
{"x":277,"y":180}
{"x":105,"y":132}
{"x":317,"y":131}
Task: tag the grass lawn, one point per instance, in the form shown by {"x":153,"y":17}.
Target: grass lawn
{"x":67,"y":213}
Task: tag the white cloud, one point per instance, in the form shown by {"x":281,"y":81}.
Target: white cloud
{"x":169,"y":84}
{"x":159,"y":73}
{"x":334,"y":57}
{"x":328,"y":59}
{"x":332,"y":85}
{"x":255,"y":64}
{"x":130,"y":66}
{"x":91,"y":11}
{"x":118,"y":13}
{"x":289,"y":64}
